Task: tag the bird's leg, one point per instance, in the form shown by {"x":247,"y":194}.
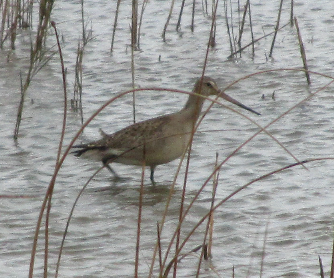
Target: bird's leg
{"x":152,"y":175}
{"x":105,"y":164}
{"x":112,"y":171}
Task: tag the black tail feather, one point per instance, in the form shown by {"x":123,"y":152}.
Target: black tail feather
{"x":85,"y":148}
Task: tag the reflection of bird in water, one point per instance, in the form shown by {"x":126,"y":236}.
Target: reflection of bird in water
{"x":158,"y":140}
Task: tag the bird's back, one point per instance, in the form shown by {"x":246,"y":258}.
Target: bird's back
{"x":157,"y":141}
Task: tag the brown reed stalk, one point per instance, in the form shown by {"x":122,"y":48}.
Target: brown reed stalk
{"x":178,"y":24}
{"x":291,"y":13}
{"x":134,"y":24}
{"x":212,"y":39}
{"x":178,"y":231}
{"x":49,"y":193}
{"x":27,"y":9}
{"x":302,"y":52}
{"x":5,"y":14}
{"x":46,"y":236}
{"x":212,"y":30}
{"x":178,"y":259}
{"x":241,"y":29}
{"x":206,"y":251}
{"x":322,"y":275}
{"x":159,"y":246}
{"x":115,"y":26}
{"x":276,"y":29}
{"x":211,"y":222}
{"x":192,"y":25}
{"x":83,"y":22}
{"x":133,"y":84}
{"x":134,"y":47}
{"x":143,"y":7}
{"x":76,"y":101}
{"x":13,"y":28}
{"x":251,"y":28}
{"x":47,"y":216}
{"x":181,"y":216}
{"x":164,"y":215}
{"x":140,"y":209}
{"x":53,"y":24}
{"x":163,"y":35}
{"x":86,"y":34}
{"x":228,"y":29}
{"x":232,"y":25}
{"x":205,"y":6}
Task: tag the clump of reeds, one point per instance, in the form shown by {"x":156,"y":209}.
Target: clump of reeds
{"x":39,"y":56}
{"x":76,"y":101}
{"x":14,"y":15}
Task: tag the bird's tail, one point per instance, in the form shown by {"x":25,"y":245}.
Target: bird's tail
{"x":84,"y":148}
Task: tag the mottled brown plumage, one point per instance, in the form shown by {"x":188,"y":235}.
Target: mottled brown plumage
{"x":155,"y":141}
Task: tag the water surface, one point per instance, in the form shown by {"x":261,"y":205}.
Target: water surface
{"x":290,"y":212}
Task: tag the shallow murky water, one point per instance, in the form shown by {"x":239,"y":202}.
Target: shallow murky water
{"x":291,"y":212}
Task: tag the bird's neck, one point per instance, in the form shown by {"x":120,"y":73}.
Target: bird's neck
{"x":193,"y":107}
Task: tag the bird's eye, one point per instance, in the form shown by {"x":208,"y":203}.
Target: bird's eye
{"x":209,"y":84}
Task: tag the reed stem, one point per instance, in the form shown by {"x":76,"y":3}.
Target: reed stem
{"x":115,"y":26}
{"x":178,"y":24}
{"x":302,"y":52}
{"x":134,"y":25}
{"x":167,"y":21}
{"x":241,"y":29}
{"x":276,"y":29}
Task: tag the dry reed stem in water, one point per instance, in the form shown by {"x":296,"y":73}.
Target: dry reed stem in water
{"x":241,"y":29}
{"x":276,"y":29}
{"x":302,"y":52}
{"x":291,"y":13}
{"x":115,"y":25}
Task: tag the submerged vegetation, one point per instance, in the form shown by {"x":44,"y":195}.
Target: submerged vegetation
{"x":46,"y":44}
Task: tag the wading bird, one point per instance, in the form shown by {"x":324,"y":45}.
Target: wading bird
{"x":158,"y":140}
